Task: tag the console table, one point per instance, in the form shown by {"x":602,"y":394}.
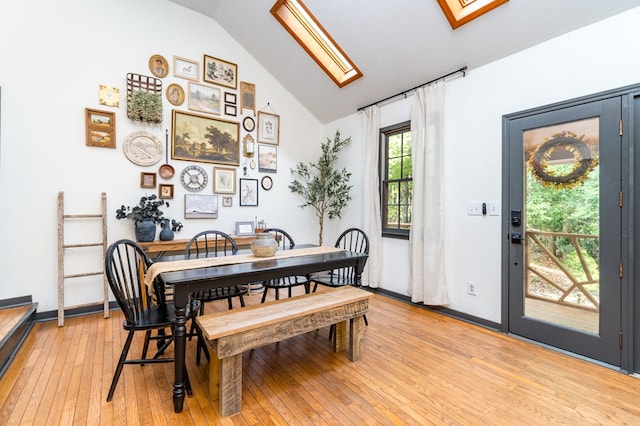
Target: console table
{"x":159,"y":248}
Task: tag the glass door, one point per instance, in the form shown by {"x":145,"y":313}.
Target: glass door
{"x":565,"y":228}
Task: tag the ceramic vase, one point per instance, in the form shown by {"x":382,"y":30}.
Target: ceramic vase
{"x":264,"y":245}
{"x":145,"y":231}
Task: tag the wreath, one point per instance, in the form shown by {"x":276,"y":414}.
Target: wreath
{"x":567,"y":141}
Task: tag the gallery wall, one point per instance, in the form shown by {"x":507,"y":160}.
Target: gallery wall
{"x":55,"y":55}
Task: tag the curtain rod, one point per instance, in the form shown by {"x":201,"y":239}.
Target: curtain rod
{"x":462,"y":70}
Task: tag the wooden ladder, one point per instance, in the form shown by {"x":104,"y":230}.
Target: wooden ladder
{"x":62,"y":217}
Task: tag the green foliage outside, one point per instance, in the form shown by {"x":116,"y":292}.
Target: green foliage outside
{"x":321,"y":186}
{"x":573,"y":211}
{"x":399,"y":185}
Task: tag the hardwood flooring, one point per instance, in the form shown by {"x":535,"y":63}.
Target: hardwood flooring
{"x":417,"y":368}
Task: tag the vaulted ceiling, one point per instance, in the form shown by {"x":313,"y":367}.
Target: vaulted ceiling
{"x":397,"y":44}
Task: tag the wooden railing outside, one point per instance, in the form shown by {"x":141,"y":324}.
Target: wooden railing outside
{"x":554,"y":281}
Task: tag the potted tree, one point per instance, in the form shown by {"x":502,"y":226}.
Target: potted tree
{"x":321,"y":185}
{"x":145,"y":215}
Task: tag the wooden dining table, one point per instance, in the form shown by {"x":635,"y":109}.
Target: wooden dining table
{"x":189,"y":280}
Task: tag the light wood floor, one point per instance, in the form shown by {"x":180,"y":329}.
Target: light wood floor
{"x":417,"y":368}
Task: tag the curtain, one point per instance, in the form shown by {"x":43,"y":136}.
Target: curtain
{"x":371,"y":220}
{"x":427,"y":280}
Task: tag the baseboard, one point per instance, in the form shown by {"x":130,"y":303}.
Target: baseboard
{"x":75,"y":312}
{"x":16,"y":301}
{"x":439,"y":309}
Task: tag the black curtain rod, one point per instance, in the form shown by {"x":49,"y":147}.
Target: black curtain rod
{"x":462,"y":70}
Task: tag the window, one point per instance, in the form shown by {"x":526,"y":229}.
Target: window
{"x":459,"y":12}
{"x":296,"y":18}
{"x":396,"y":180}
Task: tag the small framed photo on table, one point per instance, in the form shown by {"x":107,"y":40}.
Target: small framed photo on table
{"x":244,"y":229}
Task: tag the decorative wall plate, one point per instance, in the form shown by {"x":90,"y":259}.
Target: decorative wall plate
{"x":249,"y":124}
{"x":142,"y":148}
{"x":267,"y":183}
{"x":194,"y":178}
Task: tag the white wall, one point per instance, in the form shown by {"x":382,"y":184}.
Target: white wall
{"x":54,"y":57}
{"x":596,"y":58}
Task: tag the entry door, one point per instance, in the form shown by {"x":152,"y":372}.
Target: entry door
{"x":564,"y":231}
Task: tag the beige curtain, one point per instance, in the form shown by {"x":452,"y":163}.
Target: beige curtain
{"x":371,"y":220}
{"x":427,"y":280}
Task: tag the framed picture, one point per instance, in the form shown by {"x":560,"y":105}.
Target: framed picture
{"x":175,"y":94}
{"x":186,"y":68}
{"x":230,"y":110}
{"x":227,"y":201}
{"x":229,"y":98}
{"x":245,"y":229}
{"x":248,"y":192}
{"x":147,"y":180}
{"x":205,"y":139}
{"x":109,"y":96}
{"x":198,"y":206}
{"x":158,"y":66}
{"x":220,"y":72}
{"x":165,"y":191}
{"x":247,"y":96}
{"x":100,"y":128}
{"x":204,"y":98}
{"x":224,"y":180}
{"x":267,"y":159}
{"x":268,"y":128}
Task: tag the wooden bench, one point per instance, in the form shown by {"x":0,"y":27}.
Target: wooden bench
{"x":230,"y":333}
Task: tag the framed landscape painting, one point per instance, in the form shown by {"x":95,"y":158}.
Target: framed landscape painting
{"x":204,"y":139}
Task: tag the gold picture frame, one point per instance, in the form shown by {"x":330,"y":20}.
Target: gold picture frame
{"x":204,"y":139}
{"x":175,"y":94}
{"x":100,"y":128}
{"x":158,"y":66}
{"x":220,"y":72}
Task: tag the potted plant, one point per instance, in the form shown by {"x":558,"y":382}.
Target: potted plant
{"x":145,"y":106}
{"x":146,"y":214}
{"x":322,"y":186}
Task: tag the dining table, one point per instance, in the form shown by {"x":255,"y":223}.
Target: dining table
{"x":192,"y":275}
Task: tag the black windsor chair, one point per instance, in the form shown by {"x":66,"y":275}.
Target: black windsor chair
{"x":125,"y":266}
{"x":355,"y":240}
{"x":213,"y":244}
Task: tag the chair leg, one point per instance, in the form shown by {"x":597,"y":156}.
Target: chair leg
{"x":315,"y":287}
{"x":187,"y":383}
{"x":264,"y":294}
{"x":145,"y":347}
{"x":193,"y":321}
{"x":123,"y":357}
{"x":241,"y":301}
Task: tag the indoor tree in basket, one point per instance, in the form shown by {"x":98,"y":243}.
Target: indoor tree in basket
{"x":146,"y":215}
{"x":323,"y":187}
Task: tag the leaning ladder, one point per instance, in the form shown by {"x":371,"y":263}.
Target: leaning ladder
{"x":62,"y":217}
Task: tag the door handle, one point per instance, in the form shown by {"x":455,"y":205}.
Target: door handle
{"x":517,"y":238}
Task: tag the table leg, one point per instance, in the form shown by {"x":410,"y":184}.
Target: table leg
{"x":340,"y":336}
{"x":180,"y":343}
{"x":356,"y":336}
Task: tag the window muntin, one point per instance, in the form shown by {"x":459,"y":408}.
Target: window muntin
{"x":396,"y":180}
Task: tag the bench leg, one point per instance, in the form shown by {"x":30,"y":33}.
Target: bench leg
{"x":340,"y":336}
{"x":356,"y":336}
{"x":230,"y":384}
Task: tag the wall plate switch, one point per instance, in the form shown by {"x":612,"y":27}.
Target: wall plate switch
{"x":494,"y":208}
{"x":472,"y":288}
{"x":474,"y":208}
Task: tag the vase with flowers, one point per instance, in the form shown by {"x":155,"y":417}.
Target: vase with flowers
{"x":146,"y":215}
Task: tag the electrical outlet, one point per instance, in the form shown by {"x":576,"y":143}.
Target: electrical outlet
{"x":494,"y":208}
{"x":474,"y":208}
{"x":472,"y":287}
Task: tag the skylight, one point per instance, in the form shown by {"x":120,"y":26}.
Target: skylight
{"x":294,"y":16}
{"x":459,"y":12}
